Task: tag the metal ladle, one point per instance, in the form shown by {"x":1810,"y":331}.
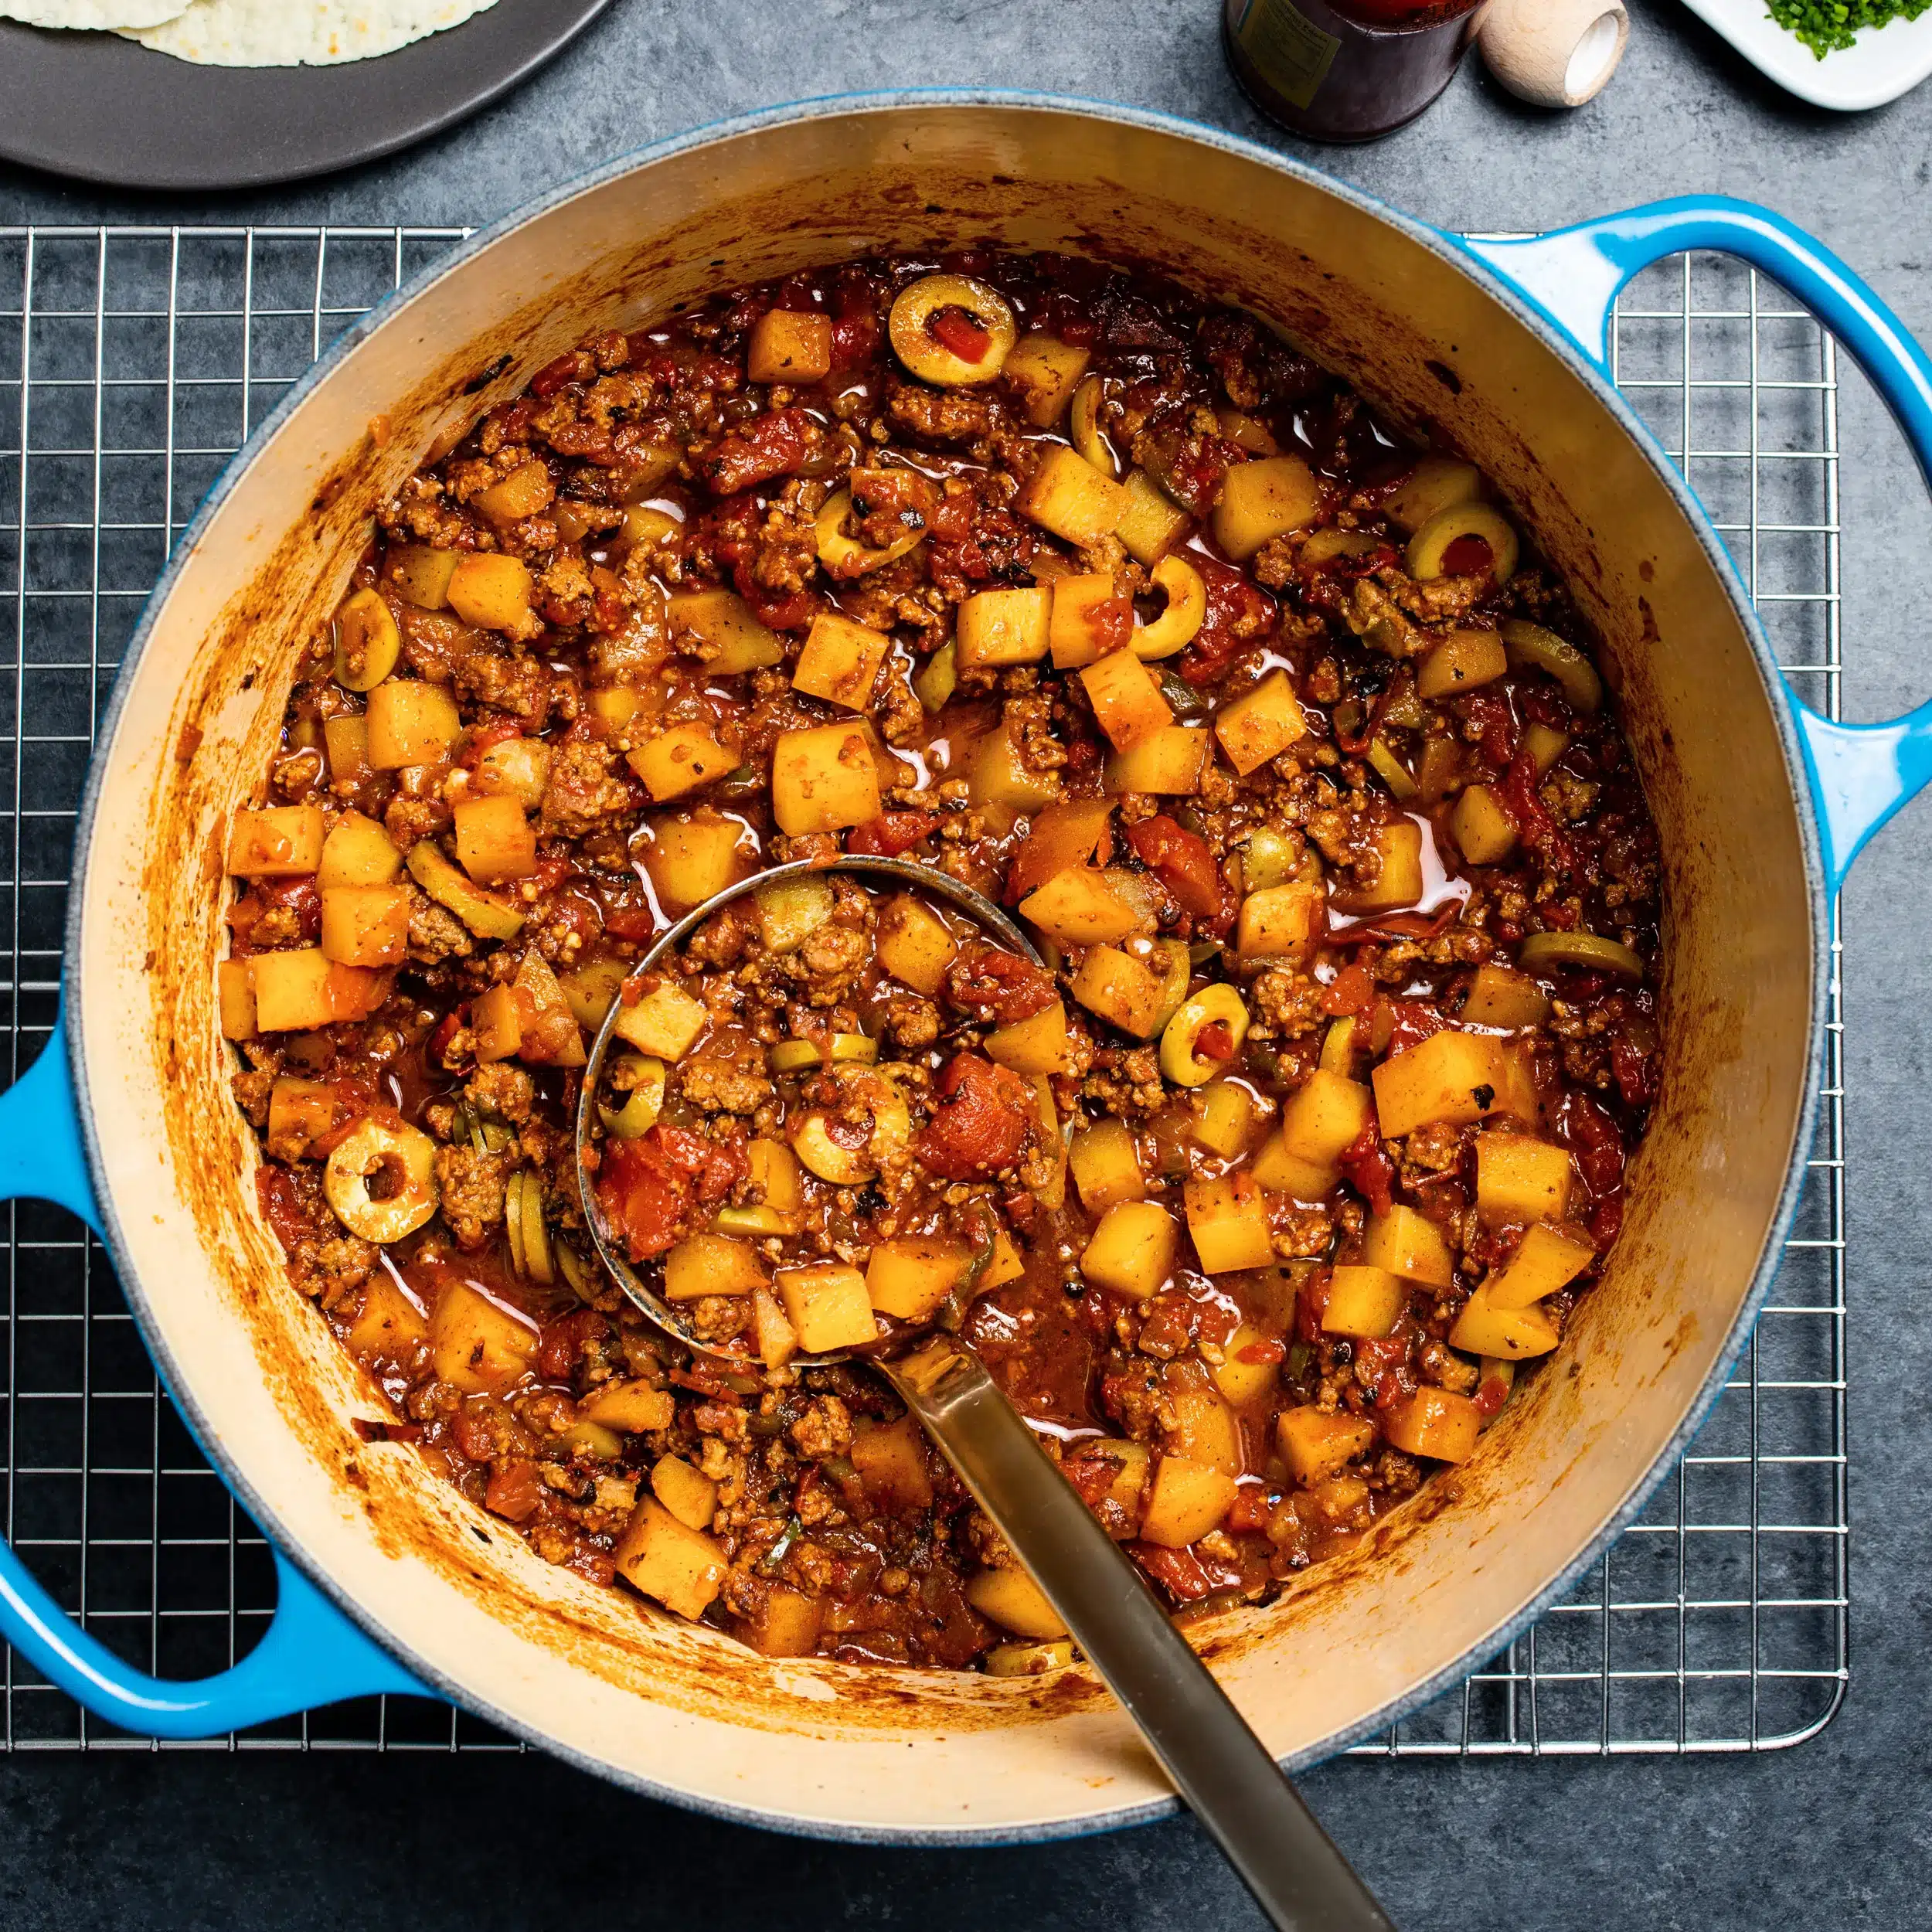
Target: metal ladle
{"x":1217,"y":1763}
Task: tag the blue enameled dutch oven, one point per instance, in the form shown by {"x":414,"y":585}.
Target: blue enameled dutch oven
{"x":389,"y":1580}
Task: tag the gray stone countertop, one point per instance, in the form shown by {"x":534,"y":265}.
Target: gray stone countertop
{"x":1835,"y":1834}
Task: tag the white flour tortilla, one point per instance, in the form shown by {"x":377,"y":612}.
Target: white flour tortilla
{"x":291,"y":33}
{"x":92,"y":13}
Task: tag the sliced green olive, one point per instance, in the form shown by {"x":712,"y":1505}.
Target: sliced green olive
{"x":405,"y":1157}
{"x":844,"y":557}
{"x":1171,"y":960}
{"x":794,"y":1056}
{"x":1213,"y":1005}
{"x":924,"y":350}
{"x":1524,"y":643}
{"x":1428,"y":548}
{"x":1392,"y":772}
{"x":367,"y":642}
{"x":1588,"y":949}
{"x":643,"y":1103}
{"x":830,"y":1160}
{"x":937,"y":682}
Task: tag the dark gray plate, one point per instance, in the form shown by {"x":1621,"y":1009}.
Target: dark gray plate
{"x":108,"y":110}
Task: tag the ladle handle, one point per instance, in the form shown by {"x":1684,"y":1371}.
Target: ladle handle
{"x":1218,"y":1764}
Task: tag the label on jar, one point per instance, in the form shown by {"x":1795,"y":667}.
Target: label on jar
{"x":1291,"y":53}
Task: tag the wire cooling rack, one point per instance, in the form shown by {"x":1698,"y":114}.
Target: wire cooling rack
{"x":135,"y":361}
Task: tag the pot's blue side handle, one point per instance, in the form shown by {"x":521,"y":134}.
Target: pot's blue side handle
{"x":1861,"y":774}
{"x":311,"y":1655}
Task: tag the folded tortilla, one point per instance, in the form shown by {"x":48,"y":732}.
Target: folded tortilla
{"x":93,"y":14}
{"x":291,"y":33}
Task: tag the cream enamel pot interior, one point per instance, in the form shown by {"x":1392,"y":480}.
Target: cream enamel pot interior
{"x":1444,"y":343}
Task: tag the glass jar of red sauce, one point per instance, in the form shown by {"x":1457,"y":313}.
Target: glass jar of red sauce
{"x":1346,"y":69}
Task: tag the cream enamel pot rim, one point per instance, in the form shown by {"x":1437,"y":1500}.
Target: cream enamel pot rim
{"x":389,"y":1580}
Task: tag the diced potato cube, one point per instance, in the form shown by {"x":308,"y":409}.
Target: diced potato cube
{"x":791,"y":910}
{"x":665,"y":1023}
{"x":997,"y":774}
{"x":389,"y":1325}
{"x":1250,"y":1367}
{"x":669,"y":763}
{"x":365,"y":925}
{"x":299,"y":1112}
{"x":1123,"y":991}
{"x":1518,"y":1179}
{"x":1012,"y":1600}
{"x":1434,"y":1422}
{"x":497,"y":1023}
{"x":841,"y":659}
{"x":1045,"y":371}
{"x":1504,"y":1334}
{"x":1280,"y":922}
{"x":786,"y":1623}
{"x":1067,"y":495}
{"x":421,"y":574}
{"x":479,"y":1345}
{"x":234,"y":993}
{"x":1500,"y":996}
{"x":358,"y":852}
{"x":1226,"y":1122}
{"x":704,"y":1264}
{"x":299,"y":991}
{"x":1132,"y":1251}
{"x":1040,"y":1045}
{"x":1545,"y":744}
{"x":1324,"y":1117}
{"x":282,"y":842}
{"x":1229,"y":1221}
{"x":1481,"y":828}
{"x":1105,"y":1167}
{"x":1399,"y":883}
{"x":722,"y":621}
{"x":1126,"y":698}
{"x":1262,"y":724}
{"x":772,"y":1166}
{"x":633,"y":1407}
{"x":827,"y":1304}
{"x":1283,"y":1172}
{"x":614,"y":705}
{"x":1189,"y":1500}
{"x":1410,"y":1245}
{"x":891,"y":1462}
{"x":1078,"y":908}
{"x":345,"y":739}
{"x":1450,"y":1077}
{"x":823,"y":780}
{"x":1205,"y":1430}
{"x":1545,"y":1262}
{"x":527,"y":490}
{"x":1315,"y":1446}
{"x":490,"y":591}
{"x":909,"y":1277}
{"x":494,"y":841}
{"x":1465,"y":661}
{"x":914,"y":946}
{"x":550,"y":1035}
{"x":1263,"y":500}
{"x":1090,"y":617}
{"x":788,"y":347}
{"x":1170,"y":760}
{"x":1153,"y":524}
{"x":517,"y":768}
{"x":1005,"y":1266}
{"x":1364,"y":1302}
{"x":694,"y":855}
{"x":683,"y":1568}
{"x":411,"y":722}
{"x":691,"y":1497}
{"x":997,"y":627}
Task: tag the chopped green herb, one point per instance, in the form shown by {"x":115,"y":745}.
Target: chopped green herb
{"x":1826,"y":26}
